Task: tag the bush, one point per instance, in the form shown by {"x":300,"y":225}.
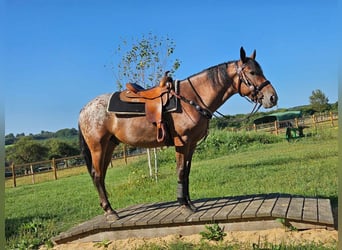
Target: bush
{"x":221,"y":142}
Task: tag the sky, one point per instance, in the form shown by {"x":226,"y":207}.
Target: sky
{"x":55,"y":54}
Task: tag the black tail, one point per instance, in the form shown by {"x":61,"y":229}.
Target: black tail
{"x":85,"y":151}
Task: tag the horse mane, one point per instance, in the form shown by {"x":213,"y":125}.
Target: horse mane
{"x":215,"y":73}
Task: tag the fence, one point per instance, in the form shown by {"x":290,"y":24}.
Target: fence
{"x":279,"y":127}
{"x":53,"y":166}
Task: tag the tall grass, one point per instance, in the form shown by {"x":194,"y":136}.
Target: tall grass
{"x":262,"y":164}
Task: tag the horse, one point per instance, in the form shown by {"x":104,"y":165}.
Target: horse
{"x":200,"y":95}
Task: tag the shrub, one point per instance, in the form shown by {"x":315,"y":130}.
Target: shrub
{"x":221,"y":142}
{"x":214,"y":232}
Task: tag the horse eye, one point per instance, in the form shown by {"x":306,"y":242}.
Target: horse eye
{"x":252,"y":73}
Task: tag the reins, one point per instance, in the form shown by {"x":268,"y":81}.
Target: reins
{"x":243,"y":79}
{"x":205,"y":112}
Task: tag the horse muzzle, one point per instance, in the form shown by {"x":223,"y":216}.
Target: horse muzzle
{"x":269,"y":98}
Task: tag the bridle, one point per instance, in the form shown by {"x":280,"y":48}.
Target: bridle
{"x":244,"y":79}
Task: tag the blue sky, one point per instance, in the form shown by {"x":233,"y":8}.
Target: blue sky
{"x":55,"y":51}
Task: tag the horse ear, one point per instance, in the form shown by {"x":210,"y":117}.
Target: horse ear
{"x":242,"y":55}
{"x":253,"y":55}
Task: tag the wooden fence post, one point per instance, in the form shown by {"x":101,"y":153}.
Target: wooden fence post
{"x":314,"y":121}
{"x":331,"y":119}
{"x":276,"y":127}
{"x":13,"y":175}
{"x":296,"y":122}
{"x":255,"y":127}
{"x":32,"y":173}
{"x":53,"y":164}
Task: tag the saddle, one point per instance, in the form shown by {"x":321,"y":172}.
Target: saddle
{"x":154,"y":99}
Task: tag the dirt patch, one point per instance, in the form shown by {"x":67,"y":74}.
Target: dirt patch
{"x":246,"y":238}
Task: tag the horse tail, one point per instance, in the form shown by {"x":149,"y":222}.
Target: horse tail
{"x":85,"y":151}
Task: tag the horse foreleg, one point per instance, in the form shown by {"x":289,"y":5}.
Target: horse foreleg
{"x":183,"y":158}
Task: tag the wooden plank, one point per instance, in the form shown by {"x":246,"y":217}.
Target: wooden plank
{"x":127,"y":214}
{"x":100,"y":222}
{"x":229,"y":205}
{"x":168,"y":219}
{"x":253,"y":207}
{"x":151,"y":212}
{"x":202,"y":210}
{"x":238,"y":210}
{"x":310,"y":212}
{"x":295,"y":210}
{"x":144,"y":211}
{"x":266,"y":207}
{"x":325,"y":212}
{"x":209,"y":215}
{"x":158,"y":219}
{"x":186,"y":217}
{"x":281,"y":206}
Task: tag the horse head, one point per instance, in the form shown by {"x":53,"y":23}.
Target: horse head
{"x":252,"y":83}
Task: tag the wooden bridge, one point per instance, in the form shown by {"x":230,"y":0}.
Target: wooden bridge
{"x":242,"y":213}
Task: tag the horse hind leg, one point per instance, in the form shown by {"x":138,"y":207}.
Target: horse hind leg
{"x":101,"y":159}
{"x":111,"y":214}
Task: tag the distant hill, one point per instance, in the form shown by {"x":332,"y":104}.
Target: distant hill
{"x":65,"y":134}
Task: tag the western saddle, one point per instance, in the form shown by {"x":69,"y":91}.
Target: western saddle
{"x":154,"y":98}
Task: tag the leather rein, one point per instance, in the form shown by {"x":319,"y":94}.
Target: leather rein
{"x":242,"y":79}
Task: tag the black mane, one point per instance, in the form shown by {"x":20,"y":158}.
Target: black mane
{"x":215,"y":73}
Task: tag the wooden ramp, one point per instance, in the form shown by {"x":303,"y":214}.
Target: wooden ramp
{"x":242,"y":213}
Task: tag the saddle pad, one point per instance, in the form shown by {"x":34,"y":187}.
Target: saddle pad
{"x":119,"y":107}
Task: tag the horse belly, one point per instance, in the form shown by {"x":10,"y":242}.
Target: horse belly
{"x":135,"y":131}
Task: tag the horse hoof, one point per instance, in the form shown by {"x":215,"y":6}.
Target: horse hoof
{"x":112,"y":216}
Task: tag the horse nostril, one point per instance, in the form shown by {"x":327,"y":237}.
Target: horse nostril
{"x":273,"y":99}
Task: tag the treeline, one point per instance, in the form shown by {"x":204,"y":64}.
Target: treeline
{"x":23,"y":148}
{"x":63,"y":134}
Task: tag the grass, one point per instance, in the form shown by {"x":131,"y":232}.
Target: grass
{"x":34,"y":213}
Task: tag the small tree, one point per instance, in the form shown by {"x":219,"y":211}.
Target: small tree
{"x":319,"y":101}
{"x":144,"y":60}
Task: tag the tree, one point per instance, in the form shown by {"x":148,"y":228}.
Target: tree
{"x":9,"y":139}
{"x":66,"y":132}
{"x":26,"y":150}
{"x":145,"y":60}
{"x":60,"y":149}
{"x":319,"y":101}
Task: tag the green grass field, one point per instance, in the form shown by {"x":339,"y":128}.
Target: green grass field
{"x":306,"y":166}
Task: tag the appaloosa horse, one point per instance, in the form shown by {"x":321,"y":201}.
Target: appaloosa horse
{"x":200,"y":95}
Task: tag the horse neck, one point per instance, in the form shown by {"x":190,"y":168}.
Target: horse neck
{"x":212,"y":92}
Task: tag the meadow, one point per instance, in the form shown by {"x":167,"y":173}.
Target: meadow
{"x":226,"y":164}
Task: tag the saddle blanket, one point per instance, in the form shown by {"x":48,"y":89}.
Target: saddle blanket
{"x":119,"y":107}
